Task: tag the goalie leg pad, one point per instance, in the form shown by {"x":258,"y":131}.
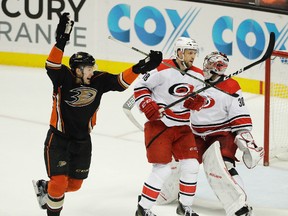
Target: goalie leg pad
{"x":229,"y":193}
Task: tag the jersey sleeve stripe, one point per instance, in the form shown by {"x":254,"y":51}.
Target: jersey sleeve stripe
{"x":234,"y":124}
{"x":142,"y":92}
{"x":127,"y":77}
{"x":183,"y":116}
{"x":56,"y":118}
{"x":122,"y":82}
{"x":92,"y":121}
{"x":55,"y":58}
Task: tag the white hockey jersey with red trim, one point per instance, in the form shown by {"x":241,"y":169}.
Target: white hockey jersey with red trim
{"x":166,"y":85}
{"x":222,"y":113}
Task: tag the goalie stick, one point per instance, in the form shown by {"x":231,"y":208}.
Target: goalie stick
{"x":127,"y":107}
{"x":178,"y":69}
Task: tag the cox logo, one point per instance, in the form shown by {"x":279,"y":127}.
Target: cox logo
{"x":151,"y":27}
{"x":149,"y":23}
{"x":245,"y":28}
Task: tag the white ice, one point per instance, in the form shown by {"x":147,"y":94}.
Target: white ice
{"x":119,"y":165}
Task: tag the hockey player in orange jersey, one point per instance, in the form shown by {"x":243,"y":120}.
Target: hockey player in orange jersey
{"x":77,"y":92}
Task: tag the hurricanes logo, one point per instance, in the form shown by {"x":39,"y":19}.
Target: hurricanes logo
{"x":210,"y":102}
{"x":181,"y":89}
{"x":83,"y":96}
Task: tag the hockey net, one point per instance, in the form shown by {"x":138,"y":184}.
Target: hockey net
{"x":276,"y":107}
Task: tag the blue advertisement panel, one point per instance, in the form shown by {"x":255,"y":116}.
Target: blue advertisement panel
{"x":240,"y":33}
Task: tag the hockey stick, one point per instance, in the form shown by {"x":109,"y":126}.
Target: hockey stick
{"x":129,"y":104}
{"x":127,"y":107}
{"x":175,"y":68}
{"x":267,"y":54}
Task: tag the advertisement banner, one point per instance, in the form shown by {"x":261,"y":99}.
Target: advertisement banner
{"x":29,"y":27}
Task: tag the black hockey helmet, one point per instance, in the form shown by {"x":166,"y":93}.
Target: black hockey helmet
{"x":81,"y":59}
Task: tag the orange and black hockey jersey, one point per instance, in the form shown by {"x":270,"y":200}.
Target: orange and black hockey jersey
{"x":74,"y":105}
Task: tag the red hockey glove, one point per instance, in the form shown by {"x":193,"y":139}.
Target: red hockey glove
{"x":150,"y":109}
{"x":195,"y":103}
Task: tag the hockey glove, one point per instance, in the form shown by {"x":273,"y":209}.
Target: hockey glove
{"x":64,"y":28}
{"x":252,"y":154}
{"x":150,"y":109}
{"x":151,"y":62}
{"x":195,"y":103}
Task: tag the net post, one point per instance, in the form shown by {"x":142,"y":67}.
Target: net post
{"x":267,"y":111}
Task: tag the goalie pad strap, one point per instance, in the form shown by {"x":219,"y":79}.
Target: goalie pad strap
{"x":233,"y":172}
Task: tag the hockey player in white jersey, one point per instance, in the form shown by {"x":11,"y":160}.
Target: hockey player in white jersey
{"x":168,"y":134}
{"x":221,"y":127}
{"x":225,"y":121}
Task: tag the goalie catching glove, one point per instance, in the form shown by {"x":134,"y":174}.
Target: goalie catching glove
{"x":151,"y":62}
{"x":64,"y":28}
{"x":252,"y":154}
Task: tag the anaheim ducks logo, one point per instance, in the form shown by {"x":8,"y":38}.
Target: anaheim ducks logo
{"x":83,"y":96}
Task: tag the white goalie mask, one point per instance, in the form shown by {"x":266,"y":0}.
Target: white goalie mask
{"x":215,"y":63}
{"x":183,"y":43}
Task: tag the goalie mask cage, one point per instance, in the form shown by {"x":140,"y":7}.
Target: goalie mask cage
{"x":276,"y":107}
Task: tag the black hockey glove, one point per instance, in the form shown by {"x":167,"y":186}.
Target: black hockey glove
{"x":64,"y":28}
{"x":149,"y":63}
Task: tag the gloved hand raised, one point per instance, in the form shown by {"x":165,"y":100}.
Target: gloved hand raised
{"x":64,"y":28}
{"x":150,"y":109}
{"x":195,"y":103}
{"x":149,"y":63}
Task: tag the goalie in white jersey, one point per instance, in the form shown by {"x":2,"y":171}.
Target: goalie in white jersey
{"x":168,"y":134}
{"x":221,"y":127}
